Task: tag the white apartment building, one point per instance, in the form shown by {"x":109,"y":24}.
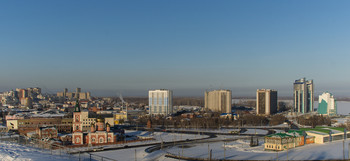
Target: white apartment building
{"x":218,"y":101}
{"x":160,"y":102}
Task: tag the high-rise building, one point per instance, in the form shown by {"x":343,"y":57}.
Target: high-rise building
{"x":76,"y":94}
{"x":303,"y":96}
{"x":218,"y":101}
{"x":327,"y":104}
{"x":160,"y":101}
{"x":65,"y":91}
{"x":78,"y":90}
{"x":266,"y":101}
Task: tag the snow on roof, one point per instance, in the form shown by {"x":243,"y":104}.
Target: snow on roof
{"x":292,"y":133}
{"x":280,"y":135}
{"x":317,"y":132}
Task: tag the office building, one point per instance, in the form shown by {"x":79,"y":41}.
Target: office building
{"x":160,"y":102}
{"x":303,"y":96}
{"x":327,"y":104}
{"x":266,"y":101}
{"x":218,"y":101}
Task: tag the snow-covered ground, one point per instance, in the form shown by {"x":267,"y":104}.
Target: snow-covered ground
{"x":129,"y":154}
{"x":141,"y":155}
{"x":16,"y":152}
{"x":240,"y":150}
{"x":249,"y":131}
{"x":340,"y":121}
{"x":164,"y":136}
{"x":237,"y":150}
{"x":157,"y":136}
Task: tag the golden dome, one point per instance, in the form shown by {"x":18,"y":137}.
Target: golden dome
{"x":100,"y":119}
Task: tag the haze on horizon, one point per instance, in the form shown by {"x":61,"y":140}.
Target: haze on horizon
{"x":108,"y":47}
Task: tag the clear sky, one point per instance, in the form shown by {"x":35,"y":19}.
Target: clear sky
{"x":188,"y":46}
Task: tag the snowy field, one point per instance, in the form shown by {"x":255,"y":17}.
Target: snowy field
{"x":237,"y":150}
{"x":157,"y":136}
{"x":249,"y":131}
{"x":129,"y":154}
{"x":141,"y":155}
{"x":164,"y":136}
{"x":240,"y":150}
{"x":16,"y":152}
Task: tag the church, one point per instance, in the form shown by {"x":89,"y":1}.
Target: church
{"x":100,"y":133}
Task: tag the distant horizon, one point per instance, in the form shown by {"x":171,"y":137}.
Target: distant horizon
{"x":176,"y":92}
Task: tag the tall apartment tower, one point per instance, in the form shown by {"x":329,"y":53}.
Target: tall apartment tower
{"x":303,"y":96}
{"x":218,"y":101}
{"x":160,"y":102}
{"x":65,"y":91}
{"x":266,"y":101}
{"x":327,"y":104}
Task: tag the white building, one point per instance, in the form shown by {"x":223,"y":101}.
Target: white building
{"x":160,"y":102}
{"x":218,"y":101}
{"x":327,"y":104}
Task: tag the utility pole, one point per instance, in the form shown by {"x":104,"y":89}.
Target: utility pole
{"x":349,"y":151}
{"x":182,"y":149}
{"x":208,"y":152}
{"x":287,"y":150}
{"x":224,"y":150}
{"x":343,"y":149}
{"x":135,"y":155}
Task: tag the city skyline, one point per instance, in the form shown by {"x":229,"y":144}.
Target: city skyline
{"x":186,"y":46}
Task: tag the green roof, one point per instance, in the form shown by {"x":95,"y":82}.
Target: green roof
{"x":323,"y":129}
{"x":316,"y":129}
{"x":341,"y":129}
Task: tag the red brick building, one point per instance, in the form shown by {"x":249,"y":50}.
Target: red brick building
{"x":47,"y":132}
{"x":99,"y":133}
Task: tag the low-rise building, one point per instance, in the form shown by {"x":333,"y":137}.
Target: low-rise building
{"x":3,"y":128}
{"x":283,"y":141}
{"x":47,"y":132}
{"x":327,"y":134}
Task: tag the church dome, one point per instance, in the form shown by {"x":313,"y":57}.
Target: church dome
{"x":100,"y":119}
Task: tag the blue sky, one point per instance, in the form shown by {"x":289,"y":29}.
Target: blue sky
{"x":109,"y":47}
